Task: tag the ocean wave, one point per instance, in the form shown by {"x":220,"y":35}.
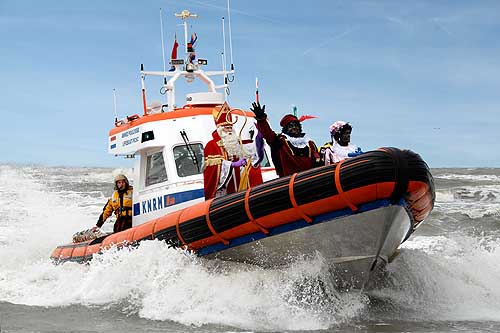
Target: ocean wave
{"x":441,"y":278}
{"x":482,"y":178}
{"x":473,"y":201}
{"x":161,"y":283}
{"x":449,"y":275}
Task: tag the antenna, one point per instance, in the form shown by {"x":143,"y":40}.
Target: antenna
{"x":224,"y":48}
{"x":224,"y":84}
{"x":162,"y":44}
{"x":114,"y":102}
{"x":143,"y":89}
{"x":230,"y":37}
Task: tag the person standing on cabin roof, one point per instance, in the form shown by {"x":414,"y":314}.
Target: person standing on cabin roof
{"x":292,"y":150}
{"x":120,"y":203}
{"x":223,"y":159}
{"x":340,"y":147}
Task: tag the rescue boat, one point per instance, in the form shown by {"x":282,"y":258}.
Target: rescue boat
{"x":354,"y":214}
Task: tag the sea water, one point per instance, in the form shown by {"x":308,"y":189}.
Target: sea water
{"x":445,"y":279}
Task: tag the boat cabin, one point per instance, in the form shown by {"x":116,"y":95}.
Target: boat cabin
{"x":167,"y":142}
{"x":168,"y":150}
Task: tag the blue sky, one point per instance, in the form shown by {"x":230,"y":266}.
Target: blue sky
{"x":421,"y":75}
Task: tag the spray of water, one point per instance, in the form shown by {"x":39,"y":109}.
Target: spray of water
{"x":447,"y":277}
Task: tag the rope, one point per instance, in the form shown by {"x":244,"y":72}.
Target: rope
{"x":250,"y":216}
{"x":339,"y":187}
{"x":211,"y":227}
{"x":294,"y":202}
{"x":178,"y":230}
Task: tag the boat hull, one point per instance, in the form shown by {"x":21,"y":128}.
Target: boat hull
{"x":354,"y":214}
{"x":352,"y":246}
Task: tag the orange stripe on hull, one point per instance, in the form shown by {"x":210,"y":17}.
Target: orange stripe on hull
{"x":419,"y":197}
{"x":421,"y":208}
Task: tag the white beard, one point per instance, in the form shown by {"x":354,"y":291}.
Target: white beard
{"x":231,"y":143}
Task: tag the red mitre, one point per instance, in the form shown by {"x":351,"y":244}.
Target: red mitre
{"x":223,"y":117}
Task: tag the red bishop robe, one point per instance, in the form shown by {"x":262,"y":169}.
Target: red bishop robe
{"x":218,"y":176}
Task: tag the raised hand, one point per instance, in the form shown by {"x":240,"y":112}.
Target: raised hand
{"x":260,"y":112}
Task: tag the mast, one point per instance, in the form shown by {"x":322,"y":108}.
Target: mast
{"x":186,"y":68}
{"x":224,"y":58}
{"x":184,"y":15}
{"x":114,"y":103}
{"x":143,"y":88}
{"x":230,"y":36}
{"x":162,"y":43}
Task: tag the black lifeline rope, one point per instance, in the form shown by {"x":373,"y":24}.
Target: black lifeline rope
{"x":401,"y":175}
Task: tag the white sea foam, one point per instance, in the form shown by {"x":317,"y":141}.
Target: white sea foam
{"x":78,"y":176}
{"x":448,"y":277}
{"x":474,"y":201}
{"x":161,"y":283}
{"x":441,"y":278}
{"x":35,"y":219}
{"x":154,"y":281}
{"x":445,"y":196}
{"x":455,"y":176}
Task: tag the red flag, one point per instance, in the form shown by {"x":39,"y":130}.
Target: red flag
{"x":174,"y":49}
{"x":174,"y":53}
{"x":306,"y":117}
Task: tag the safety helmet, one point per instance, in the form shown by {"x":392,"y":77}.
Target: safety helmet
{"x":121,"y":177}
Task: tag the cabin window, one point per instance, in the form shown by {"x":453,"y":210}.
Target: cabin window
{"x":265,"y":161}
{"x":185,"y":161}
{"x":155,"y":169}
